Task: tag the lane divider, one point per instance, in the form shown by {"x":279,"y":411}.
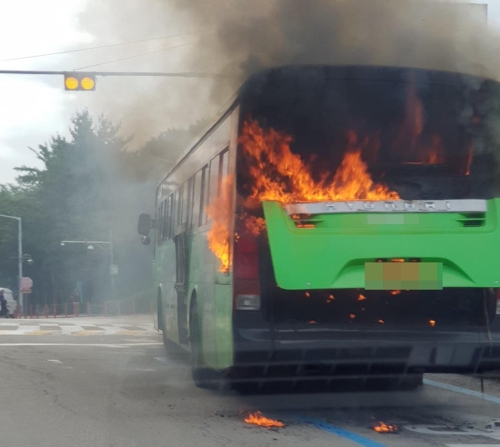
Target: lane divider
{"x":342,"y":433}
{"x":467,"y":392}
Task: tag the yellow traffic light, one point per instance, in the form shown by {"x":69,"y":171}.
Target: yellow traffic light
{"x":71,"y":83}
{"x":87,"y":83}
{"x":75,"y":81}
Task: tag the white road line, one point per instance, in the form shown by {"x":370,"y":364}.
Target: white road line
{"x":473,"y":445}
{"x":466,"y":391}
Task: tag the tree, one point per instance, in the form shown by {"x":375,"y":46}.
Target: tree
{"x":88,"y":185}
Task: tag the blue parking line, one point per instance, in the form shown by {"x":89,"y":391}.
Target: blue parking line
{"x":458,"y":389}
{"x":346,"y":434}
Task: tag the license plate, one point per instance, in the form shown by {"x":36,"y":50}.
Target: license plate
{"x":403,"y":275}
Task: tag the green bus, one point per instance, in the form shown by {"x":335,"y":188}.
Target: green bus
{"x":337,"y":226}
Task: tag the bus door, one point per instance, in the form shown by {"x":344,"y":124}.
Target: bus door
{"x":181,"y":270}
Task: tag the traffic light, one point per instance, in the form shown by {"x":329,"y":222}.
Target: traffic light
{"x":77,"y":81}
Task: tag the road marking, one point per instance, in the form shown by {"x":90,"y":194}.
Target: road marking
{"x":349,"y":435}
{"x":128,"y":332}
{"x":39,"y":333}
{"x":467,"y":392}
{"x":86,"y":333}
{"x":473,"y":445}
{"x":54,"y":361}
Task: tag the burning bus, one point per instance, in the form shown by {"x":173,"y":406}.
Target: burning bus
{"x":337,"y":226}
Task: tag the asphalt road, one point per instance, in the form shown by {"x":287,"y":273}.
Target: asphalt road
{"x":114,"y":386}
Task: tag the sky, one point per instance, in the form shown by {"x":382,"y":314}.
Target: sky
{"x":32,"y":108}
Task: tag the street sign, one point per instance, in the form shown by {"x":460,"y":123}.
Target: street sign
{"x":26,"y":283}
{"x":113,"y":269}
{"x":25,"y":291}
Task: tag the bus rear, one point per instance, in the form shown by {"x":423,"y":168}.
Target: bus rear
{"x":367,"y":239}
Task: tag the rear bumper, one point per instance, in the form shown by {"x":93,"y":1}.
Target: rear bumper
{"x":364,"y":352}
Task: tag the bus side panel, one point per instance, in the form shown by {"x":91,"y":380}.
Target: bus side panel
{"x":224,"y":282}
{"x":169,"y":297}
{"x":223,"y":330}
{"x":207,"y":305}
{"x":201,"y":267}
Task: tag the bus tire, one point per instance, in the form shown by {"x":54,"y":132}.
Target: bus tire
{"x":203,"y":377}
{"x":169,"y":346}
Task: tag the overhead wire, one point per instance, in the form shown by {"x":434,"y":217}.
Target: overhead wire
{"x":135,"y":55}
{"x":103,"y":46}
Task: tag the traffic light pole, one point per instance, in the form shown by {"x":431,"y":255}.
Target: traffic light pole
{"x":185,"y":74}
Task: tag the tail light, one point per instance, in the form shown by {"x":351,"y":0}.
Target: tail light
{"x":246,"y":271}
{"x":497,"y":294}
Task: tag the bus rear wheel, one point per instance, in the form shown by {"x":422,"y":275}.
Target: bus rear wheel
{"x":203,"y":377}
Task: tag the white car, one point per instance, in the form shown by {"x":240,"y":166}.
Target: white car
{"x":11,"y":302}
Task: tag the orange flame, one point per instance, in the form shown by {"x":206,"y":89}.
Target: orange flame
{"x":280,"y":175}
{"x":218,"y":210}
{"x":382,"y":427}
{"x":432,"y":323}
{"x":255,"y":224}
{"x":258,"y":418}
{"x":361,"y":297}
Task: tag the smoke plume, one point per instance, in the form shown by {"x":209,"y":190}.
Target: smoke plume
{"x":237,"y":38}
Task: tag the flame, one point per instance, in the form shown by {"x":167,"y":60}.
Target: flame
{"x":381,"y":321}
{"x":432,"y":323}
{"x":435,"y":154}
{"x":395,"y":292}
{"x":412,"y":125}
{"x":258,"y":418}
{"x":255,"y":224}
{"x":352,"y":316}
{"x":408,"y":145}
{"x":361,"y":297}
{"x":218,"y":210}
{"x":382,"y":427}
{"x":279,"y":175}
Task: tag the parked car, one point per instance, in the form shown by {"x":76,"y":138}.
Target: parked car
{"x":11,"y":302}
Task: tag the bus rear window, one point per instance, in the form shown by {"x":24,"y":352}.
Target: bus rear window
{"x":425,"y":135}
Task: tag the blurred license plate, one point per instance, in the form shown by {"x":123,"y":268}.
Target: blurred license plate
{"x":403,"y":275}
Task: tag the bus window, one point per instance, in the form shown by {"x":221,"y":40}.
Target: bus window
{"x":159,"y":223}
{"x":168,"y":217}
{"x":183,"y":204}
{"x":165,"y":218}
{"x":188,"y":205}
{"x":178,"y":208}
{"x":223,"y":166}
{"x":204,"y":195}
{"x":196,"y":199}
{"x":214,"y":178}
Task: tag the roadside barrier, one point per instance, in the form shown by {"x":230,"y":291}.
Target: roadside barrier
{"x":137,"y":304}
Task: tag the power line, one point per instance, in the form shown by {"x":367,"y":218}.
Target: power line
{"x":102,"y":46}
{"x":136,"y":55}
